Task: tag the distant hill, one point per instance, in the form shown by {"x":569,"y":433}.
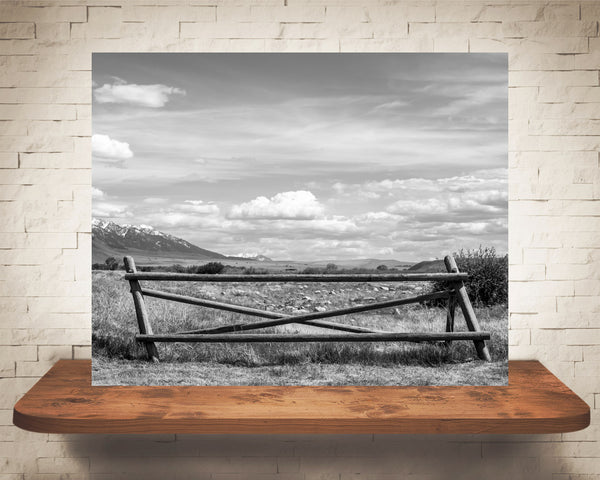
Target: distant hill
{"x":428,"y":266}
{"x":144,"y":244}
{"x":370,"y":263}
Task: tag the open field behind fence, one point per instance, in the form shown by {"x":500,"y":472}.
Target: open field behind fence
{"x":119,"y":359}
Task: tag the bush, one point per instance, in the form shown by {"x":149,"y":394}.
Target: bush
{"x":210,"y":268}
{"x":488,"y":276}
{"x":254,"y":271}
{"x":313,"y":271}
{"x":112,"y":263}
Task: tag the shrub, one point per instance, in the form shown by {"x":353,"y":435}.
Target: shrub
{"x":254,"y":271}
{"x":210,"y":268}
{"x":112,"y":263}
{"x":488,"y":276}
{"x":313,"y":271}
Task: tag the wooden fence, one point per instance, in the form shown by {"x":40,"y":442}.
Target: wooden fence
{"x":456,"y":294}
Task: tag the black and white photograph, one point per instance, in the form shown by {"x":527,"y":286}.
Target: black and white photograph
{"x":300,"y":219}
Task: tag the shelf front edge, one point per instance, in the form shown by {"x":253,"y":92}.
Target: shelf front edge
{"x":59,"y":404}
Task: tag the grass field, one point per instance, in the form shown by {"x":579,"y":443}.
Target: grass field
{"x":118,"y":359}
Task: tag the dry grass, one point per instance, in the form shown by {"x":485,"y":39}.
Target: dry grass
{"x":118,"y":359}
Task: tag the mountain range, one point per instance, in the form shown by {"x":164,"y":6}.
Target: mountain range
{"x":144,"y":243}
{"x":150,"y":246}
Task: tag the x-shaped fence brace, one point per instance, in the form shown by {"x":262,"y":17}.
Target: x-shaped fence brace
{"x":456,"y":293}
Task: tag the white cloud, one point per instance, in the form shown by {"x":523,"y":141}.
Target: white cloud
{"x":109,"y":209}
{"x":97,"y":193}
{"x":490,"y":200}
{"x":298,"y":205}
{"x":198,"y":206}
{"x":461,"y":99}
{"x":152,"y":96}
{"x":191,"y":213}
{"x":110,"y":149}
{"x":155,"y":200}
{"x":431,"y":206}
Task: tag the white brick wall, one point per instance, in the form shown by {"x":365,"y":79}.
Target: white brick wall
{"x":554,"y":143}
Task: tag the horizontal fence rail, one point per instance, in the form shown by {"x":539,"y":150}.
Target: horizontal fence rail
{"x":456,"y":294}
{"x":305,"y":337}
{"x":387,"y":277}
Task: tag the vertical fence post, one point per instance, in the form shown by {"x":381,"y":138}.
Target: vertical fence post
{"x":140,"y":309}
{"x":450,"y":315}
{"x":467,"y":309}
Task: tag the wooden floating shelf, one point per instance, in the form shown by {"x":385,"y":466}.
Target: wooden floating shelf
{"x":64,"y":401}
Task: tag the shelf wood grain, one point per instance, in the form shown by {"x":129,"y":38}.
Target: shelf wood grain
{"x":63,"y":401}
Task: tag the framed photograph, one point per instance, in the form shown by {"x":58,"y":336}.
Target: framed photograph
{"x":300,"y":219}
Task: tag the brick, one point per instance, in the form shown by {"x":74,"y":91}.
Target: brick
{"x":402,"y":12}
{"x":9,"y":160}
{"x":450,"y":44}
{"x":564,"y":127}
{"x":37,"y":112}
{"x":48,"y":14}
{"x":304,"y":45}
{"x":230,"y":30}
{"x":305,"y":14}
{"x":395,"y":30}
{"x":578,"y":94}
{"x":18,"y":353}
{"x":53,"y":32}
{"x":583,"y":336}
{"x":53,"y":95}
{"x":587,"y":287}
{"x":50,"y":336}
{"x":527,"y":272}
{"x":347,"y":14}
{"x":564,"y":45}
{"x":447,"y":12}
{"x":570,"y":353}
{"x":535,"y":78}
{"x":537,"y":304}
{"x":14,"y":128}
{"x":50,"y":160}
{"x":590,"y":11}
{"x":33,"y":369}
{"x":487,"y":45}
{"x":324,"y":31}
{"x":519,"y":337}
{"x":17,"y":30}
{"x":63,"y":465}
{"x":563,"y":28}
{"x":411,"y":44}
{"x":82,"y":352}
{"x":54,"y":353}
{"x":567,"y":305}
{"x":457,"y":29}
{"x":522,"y":60}
{"x":160,"y":14}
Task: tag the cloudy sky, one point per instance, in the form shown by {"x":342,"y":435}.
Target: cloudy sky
{"x":305,"y":156}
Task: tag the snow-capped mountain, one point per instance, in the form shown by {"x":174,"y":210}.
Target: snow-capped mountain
{"x":253,"y":256}
{"x":110,"y":239}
